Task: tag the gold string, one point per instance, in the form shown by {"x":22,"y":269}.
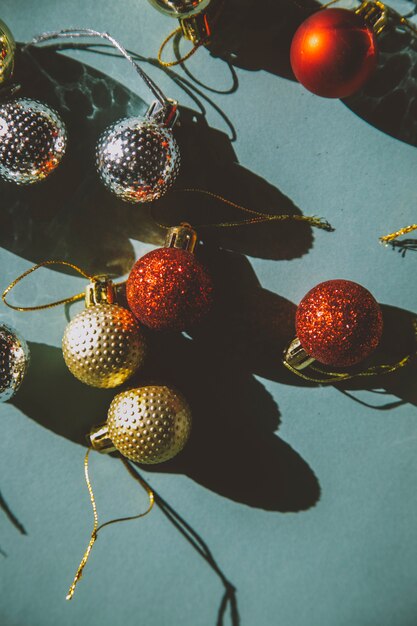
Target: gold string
{"x":49,"y":305}
{"x":386,"y":239}
{"x":96,"y":527}
{"x":182,"y":59}
{"x":258,"y":216}
{"x":40,"y":307}
{"x":337,"y":377}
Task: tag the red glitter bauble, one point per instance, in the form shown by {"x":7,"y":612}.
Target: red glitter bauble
{"x":333,"y":53}
{"x":169,"y":289}
{"x":339,"y":323}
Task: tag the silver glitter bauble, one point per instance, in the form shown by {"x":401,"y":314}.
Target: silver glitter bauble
{"x":14,"y":361}
{"x":180,"y":8}
{"x":138,"y":159}
{"x":33,"y":141}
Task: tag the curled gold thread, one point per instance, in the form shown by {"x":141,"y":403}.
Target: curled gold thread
{"x":49,"y":305}
{"x":183,"y":58}
{"x":96,"y":527}
{"x":258,"y":216}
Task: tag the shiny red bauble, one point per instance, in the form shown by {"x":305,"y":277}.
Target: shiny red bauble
{"x":339,"y":323}
{"x":169,"y":289}
{"x":333,"y":53}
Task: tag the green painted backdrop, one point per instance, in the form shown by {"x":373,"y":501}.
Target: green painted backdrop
{"x":301,"y":498}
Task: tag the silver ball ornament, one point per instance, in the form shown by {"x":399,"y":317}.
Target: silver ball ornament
{"x":14,"y":361}
{"x":33,"y":140}
{"x":180,"y":8}
{"x":138,"y":159}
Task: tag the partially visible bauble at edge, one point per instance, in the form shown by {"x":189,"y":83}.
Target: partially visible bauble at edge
{"x":339,"y":323}
{"x":180,"y":8}
{"x":33,"y":141}
{"x":334,"y":53}
{"x":169,"y":289}
{"x":14,"y":361}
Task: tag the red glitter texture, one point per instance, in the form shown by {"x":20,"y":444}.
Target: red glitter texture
{"x":169,"y":289}
{"x":339,"y":323}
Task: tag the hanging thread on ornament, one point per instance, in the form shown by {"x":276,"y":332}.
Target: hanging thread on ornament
{"x":178,"y":32}
{"x":168,"y":288}
{"x":96,"y":526}
{"x":103,"y":345}
{"x":259,"y":217}
{"x":137,"y":158}
{"x":196,"y":19}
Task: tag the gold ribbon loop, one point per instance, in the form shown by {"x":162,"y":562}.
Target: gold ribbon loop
{"x":181,"y":59}
{"x":50,"y":305}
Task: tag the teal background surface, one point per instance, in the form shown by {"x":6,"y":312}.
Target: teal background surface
{"x":305,"y":496}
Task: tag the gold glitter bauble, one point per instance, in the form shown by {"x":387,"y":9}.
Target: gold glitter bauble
{"x":103,"y":345}
{"x":150,"y":424}
{"x":7,"y":52}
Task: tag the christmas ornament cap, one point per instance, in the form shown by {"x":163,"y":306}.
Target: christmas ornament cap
{"x":100,"y":290}
{"x":7,"y":53}
{"x":166,"y":115}
{"x":183,"y":237}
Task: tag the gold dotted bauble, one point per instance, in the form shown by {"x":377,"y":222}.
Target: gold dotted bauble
{"x":103,"y":345}
{"x":150,"y":424}
{"x":7,"y":52}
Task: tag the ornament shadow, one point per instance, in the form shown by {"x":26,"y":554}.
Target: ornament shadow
{"x":389,"y":100}
{"x":251,"y":327}
{"x":11,"y":516}
{"x":233,"y":450}
{"x":254,"y":39}
{"x":71,"y":216}
{"x":69,"y":409}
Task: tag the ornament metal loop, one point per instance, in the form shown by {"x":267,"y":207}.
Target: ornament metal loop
{"x":376,"y":14}
{"x":183,"y":237}
{"x":101,"y":290}
{"x":166,"y":115}
{"x":99,"y":439}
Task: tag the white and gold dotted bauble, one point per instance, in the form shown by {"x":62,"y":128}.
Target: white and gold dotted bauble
{"x":150,"y":424}
{"x":103,"y":345}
